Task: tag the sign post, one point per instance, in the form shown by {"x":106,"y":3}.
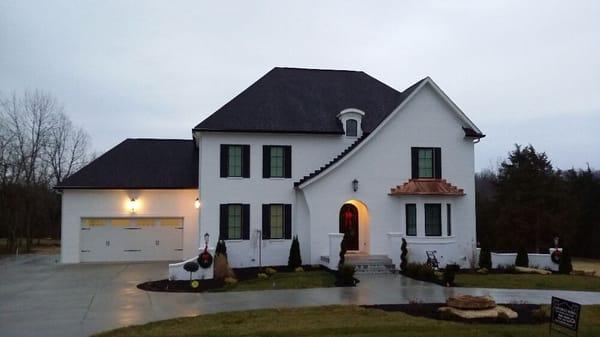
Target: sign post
{"x":564,"y":314}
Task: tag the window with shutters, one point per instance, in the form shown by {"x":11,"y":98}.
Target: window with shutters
{"x":277,"y":161}
{"x":426,"y":163}
{"x":411,"y":219}
{"x":235,"y":161}
{"x":351,"y":128}
{"x":276,"y":221}
{"x":433,"y":219}
{"x":234,"y":222}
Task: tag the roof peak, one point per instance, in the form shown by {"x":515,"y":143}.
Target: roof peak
{"x":318,"y":69}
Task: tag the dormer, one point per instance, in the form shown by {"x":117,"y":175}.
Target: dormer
{"x":351,"y":120}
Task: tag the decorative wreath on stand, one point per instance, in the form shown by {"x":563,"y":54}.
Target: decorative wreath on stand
{"x":205,"y":260}
{"x":555,"y":256}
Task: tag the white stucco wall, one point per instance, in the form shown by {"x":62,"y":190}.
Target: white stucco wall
{"x":384,"y":161}
{"x":78,"y":204}
{"x":309,"y":152}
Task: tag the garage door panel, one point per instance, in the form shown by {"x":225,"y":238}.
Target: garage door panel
{"x":131,"y":239}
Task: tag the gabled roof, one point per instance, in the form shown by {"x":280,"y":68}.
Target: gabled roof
{"x":471,"y":131}
{"x":140,"y":164}
{"x":427,"y":187}
{"x":294,"y":100}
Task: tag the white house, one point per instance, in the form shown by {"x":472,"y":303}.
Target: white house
{"x":312,"y":153}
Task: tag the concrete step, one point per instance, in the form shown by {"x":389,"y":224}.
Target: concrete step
{"x":370,"y":264}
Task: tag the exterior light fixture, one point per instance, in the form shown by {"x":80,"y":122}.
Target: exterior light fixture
{"x":197,"y":203}
{"x":133,"y":204}
{"x":556,"y":241}
{"x":206,"y":238}
{"x":355,"y":185}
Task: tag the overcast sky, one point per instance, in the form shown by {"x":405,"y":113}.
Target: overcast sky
{"x":523,"y":71}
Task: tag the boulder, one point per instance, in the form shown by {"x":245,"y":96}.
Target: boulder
{"x":526,"y":270}
{"x":468,"y":302}
{"x":485,"y":313}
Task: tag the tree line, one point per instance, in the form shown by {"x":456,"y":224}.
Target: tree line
{"x":526,"y":203}
{"x":39,"y":146}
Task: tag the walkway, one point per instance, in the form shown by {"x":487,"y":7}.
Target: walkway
{"x":38,"y":295}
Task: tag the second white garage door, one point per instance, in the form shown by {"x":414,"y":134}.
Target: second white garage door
{"x":131,"y":239}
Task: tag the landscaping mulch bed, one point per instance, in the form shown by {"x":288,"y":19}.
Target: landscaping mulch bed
{"x":241,"y":274}
{"x":430,"y":310}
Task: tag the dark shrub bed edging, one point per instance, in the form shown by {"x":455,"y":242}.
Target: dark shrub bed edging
{"x":527,"y":313}
{"x":241,"y":274}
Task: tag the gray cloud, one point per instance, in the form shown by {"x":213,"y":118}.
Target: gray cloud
{"x":526,"y":72}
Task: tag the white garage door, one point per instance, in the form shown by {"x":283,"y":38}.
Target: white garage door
{"x":131,"y":239}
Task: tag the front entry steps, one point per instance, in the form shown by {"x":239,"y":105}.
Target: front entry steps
{"x":370,"y":264}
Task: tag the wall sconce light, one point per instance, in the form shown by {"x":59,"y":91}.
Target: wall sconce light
{"x":355,"y":185}
{"x":197,"y":203}
{"x":133,"y":204}
{"x":206,"y":238}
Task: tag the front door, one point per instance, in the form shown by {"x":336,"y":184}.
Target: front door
{"x":349,"y":225}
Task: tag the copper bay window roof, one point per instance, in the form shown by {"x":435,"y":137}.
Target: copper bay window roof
{"x":427,"y":187}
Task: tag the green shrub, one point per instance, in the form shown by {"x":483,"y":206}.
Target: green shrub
{"x":485,"y":258}
{"x":221,"y":248}
{"x":522,"y":259}
{"x":450,"y":274}
{"x":295,"y":260}
{"x":346,"y":274}
{"x":420,"y":271}
{"x":342,"y":252}
{"x":539,"y":315}
{"x":564,"y":265}
{"x":403,"y":258}
{"x":270,"y":271}
{"x":507,"y":268}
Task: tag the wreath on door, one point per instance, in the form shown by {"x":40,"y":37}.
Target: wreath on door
{"x":555,"y":256}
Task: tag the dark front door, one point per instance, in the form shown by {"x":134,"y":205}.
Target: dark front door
{"x":349,"y":225}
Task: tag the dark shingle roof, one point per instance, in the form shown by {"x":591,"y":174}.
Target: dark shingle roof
{"x":140,"y":164}
{"x":306,"y":101}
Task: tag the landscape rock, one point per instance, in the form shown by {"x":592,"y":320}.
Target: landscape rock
{"x":526,"y":270}
{"x":584,"y":272}
{"x":482,"y":271}
{"x":468,"y":302}
{"x":485,"y":313}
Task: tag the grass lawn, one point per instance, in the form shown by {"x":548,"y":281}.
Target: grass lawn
{"x":528,"y":281}
{"x":339,"y":321}
{"x":285,"y":280}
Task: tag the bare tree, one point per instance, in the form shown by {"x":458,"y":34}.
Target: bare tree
{"x":67,"y":148}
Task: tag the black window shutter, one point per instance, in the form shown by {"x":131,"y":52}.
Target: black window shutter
{"x":266,"y":222}
{"x":414,"y":153}
{"x":224,"y":160}
{"x":287,"y":218}
{"x":287,"y":157}
{"x":266,"y":161}
{"x":437,"y":162}
{"x":223,"y":219}
{"x":245,"y":222}
{"x":246,"y":161}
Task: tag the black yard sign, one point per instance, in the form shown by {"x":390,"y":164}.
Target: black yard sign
{"x":565,"y":314}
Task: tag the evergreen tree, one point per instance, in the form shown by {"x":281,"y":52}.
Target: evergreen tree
{"x":403,"y":258}
{"x":485,"y":258}
{"x":522,"y":259}
{"x":565,"y":266}
{"x":294,"y":259}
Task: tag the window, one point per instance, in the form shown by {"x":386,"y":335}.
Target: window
{"x":426,"y":162}
{"x":277,"y":221}
{"x":351,"y":128}
{"x":234,"y":167}
{"x":277,"y":161}
{"x":411,"y":219}
{"x":433,"y":219}
{"x":235,"y":161}
{"x":449,"y":219}
{"x":235,"y":222}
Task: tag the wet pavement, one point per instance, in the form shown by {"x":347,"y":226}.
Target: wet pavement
{"x":40,"y":297}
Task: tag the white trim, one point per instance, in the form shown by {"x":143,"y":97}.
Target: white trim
{"x":427,"y":80}
{"x":345,"y":111}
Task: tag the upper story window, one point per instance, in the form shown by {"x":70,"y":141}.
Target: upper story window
{"x":426,"y":162}
{"x":235,"y":161}
{"x":351,"y":128}
{"x":277,"y":161}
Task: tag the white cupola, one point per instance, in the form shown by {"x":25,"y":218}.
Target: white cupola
{"x":351,"y":120}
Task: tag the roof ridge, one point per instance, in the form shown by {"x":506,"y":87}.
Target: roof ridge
{"x":319,"y":69}
{"x":160,"y":139}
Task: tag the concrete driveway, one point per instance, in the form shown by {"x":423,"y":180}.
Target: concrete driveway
{"x":39,"y":297}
